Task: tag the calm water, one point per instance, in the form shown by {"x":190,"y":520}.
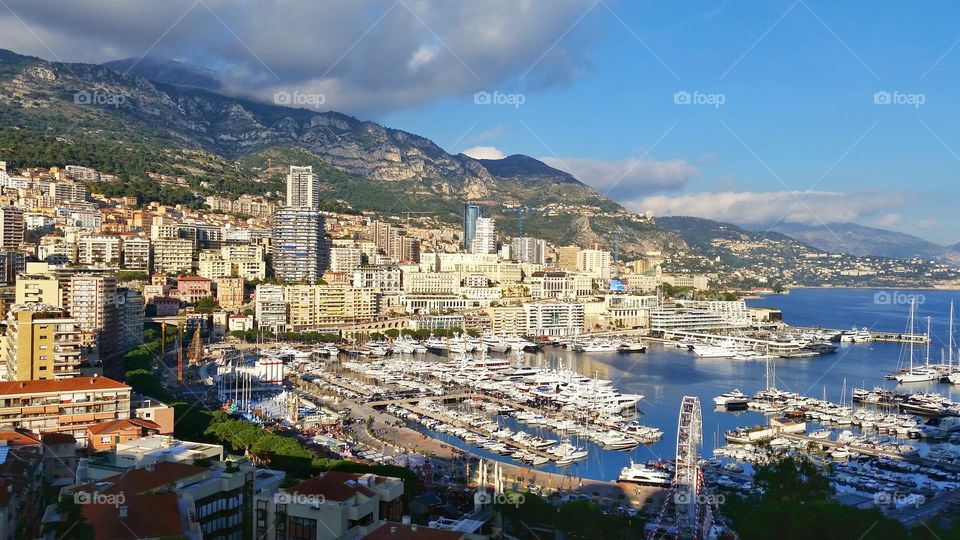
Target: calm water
{"x":665,"y":374}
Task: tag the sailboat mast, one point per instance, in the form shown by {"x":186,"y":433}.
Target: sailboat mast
{"x":927,"y":359}
{"x":950,"y":338}
{"x":912,"y":307}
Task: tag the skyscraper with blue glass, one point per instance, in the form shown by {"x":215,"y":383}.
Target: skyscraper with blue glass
{"x":471,"y":213}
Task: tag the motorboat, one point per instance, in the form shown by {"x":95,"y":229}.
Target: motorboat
{"x":732,"y":399}
{"x":639,"y":473}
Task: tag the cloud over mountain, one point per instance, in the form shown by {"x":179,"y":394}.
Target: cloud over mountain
{"x":363,"y":56}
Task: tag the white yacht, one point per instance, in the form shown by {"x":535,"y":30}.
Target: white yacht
{"x":704,"y":350}
{"x":638,"y":473}
{"x":735,"y":397}
{"x":913,"y":374}
{"x":595,"y":346}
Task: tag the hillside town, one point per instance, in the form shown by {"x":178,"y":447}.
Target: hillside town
{"x":226,"y":367}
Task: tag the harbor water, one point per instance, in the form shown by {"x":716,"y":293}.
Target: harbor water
{"x":665,"y":373}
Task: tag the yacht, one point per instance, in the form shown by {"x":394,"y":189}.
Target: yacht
{"x":632,"y":347}
{"x":638,"y":473}
{"x":705,"y":350}
{"x":496,"y":343}
{"x":595,"y":346}
{"x":732,"y":398}
{"x":856,"y":336}
{"x":912,"y":373}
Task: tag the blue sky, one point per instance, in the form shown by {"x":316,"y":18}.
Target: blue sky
{"x":784,"y":126}
{"x":798,"y":83}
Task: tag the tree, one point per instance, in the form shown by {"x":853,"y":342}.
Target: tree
{"x":392,"y":333}
{"x":206,"y":305}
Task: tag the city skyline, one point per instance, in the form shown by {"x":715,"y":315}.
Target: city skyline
{"x":679,"y":111}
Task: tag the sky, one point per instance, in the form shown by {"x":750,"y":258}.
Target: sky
{"x":755,"y":112}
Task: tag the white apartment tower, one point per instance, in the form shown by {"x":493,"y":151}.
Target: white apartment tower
{"x":485,"y":240}
{"x":303,"y":188}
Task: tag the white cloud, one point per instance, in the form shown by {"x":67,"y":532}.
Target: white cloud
{"x":626,"y":180}
{"x":889,"y":221}
{"x":768,"y":208}
{"x":366,"y":56}
{"x":484,"y":152}
{"x":927,"y":224}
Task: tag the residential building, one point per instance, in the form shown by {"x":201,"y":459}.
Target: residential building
{"x":303,"y":188}
{"x":99,"y":250}
{"x":528,"y":250}
{"x":299,"y":250}
{"x":345,"y":259}
{"x":136,"y":254}
{"x":330,"y":506}
{"x":42,"y":342}
{"x":93,"y":303}
{"x":485,"y":240}
{"x":68,"y":405}
{"x":381,"y":278}
{"x":230,"y":292}
{"x":12,"y":263}
{"x":271,"y":308}
{"x":594,"y":262}
{"x":12,"y":227}
{"x":190,"y":289}
{"x":554,"y":319}
{"x":130,"y":310}
{"x":173,"y":255}
{"x":107,"y":435}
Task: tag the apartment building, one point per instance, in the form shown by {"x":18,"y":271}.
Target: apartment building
{"x":300,"y":252}
{"x":554,"y":319}
{"x":303,"y":188}
{"x":42,"y":342}
{"x":93,"y":303}
{"x":68,"y":405}
{"x":330,"y":506}
{"x":173,"y":255}
{"x":230,"y":292}
{"x":270,"y":307}
{"x":344,"y":259}
{"x":130,"y":310}
{"x":190,"y":289}
{"x":99,"y":249}
{"x":594,"y":262}
{"x":12,"y":227}
{"x":136,"y":254}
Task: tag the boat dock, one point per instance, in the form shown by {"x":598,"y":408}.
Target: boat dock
{"x":889,"y":337}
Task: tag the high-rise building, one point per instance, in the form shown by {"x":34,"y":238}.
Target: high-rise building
{"x":11,"y":227}
{"x":528,"y":250}
{"x":42,"y":342}
{"x":471,"y":213}
{"x":173,"y":256}
{"x":595,"y":262}
{"x":303,"y":188}
{"x":344,"y":259}
{"x":485,"y":240}
{"x":11,"y":264}
{"x":300,"y":254}
{"x":130,"y":307}
{"x":93,"y":303}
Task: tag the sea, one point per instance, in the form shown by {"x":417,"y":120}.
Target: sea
{"x":665,"y":374}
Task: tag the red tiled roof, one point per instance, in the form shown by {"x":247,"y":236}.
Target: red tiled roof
{"x":53,"y":437}
{"x":333,"y":485}
{"x":148,"y":516}
{"x":75,"y":384}
{"x":399,"y":531}
{"x":193,"y":278}
{"x":18,"y":438}
{"x":115,"y":425}
{"x":142,"y":480}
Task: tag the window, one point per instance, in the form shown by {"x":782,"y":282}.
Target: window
{"x":302,"y":528}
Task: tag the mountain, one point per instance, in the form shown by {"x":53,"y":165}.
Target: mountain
{"x":159,"y":118}
{"x":169,"y":72}
{"x":860,"y":240}
{"x":733,"y":245}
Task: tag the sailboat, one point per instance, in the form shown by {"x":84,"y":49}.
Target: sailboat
{"x":919,"y":373}
{"x":953,"y":372}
